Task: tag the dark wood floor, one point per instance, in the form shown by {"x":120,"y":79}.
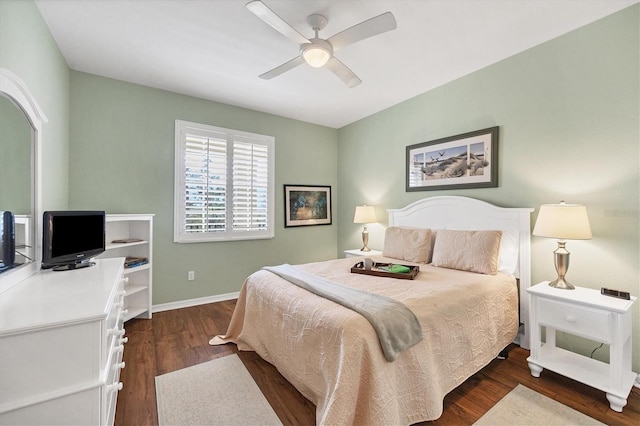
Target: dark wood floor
{"x":177,"y":339}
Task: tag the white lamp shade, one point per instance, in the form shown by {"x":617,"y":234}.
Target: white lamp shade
{"x":365,"y":214}
{"x":316,"y":56}
{"x":563,"y":221}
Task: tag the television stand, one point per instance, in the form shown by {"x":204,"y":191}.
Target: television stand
{"x":72,"y":266}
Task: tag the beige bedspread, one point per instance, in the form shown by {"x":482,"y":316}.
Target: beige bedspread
{"x":332,"y":354}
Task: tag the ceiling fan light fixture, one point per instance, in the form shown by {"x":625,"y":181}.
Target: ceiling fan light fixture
{"x":316,"y":53}
{"x":316,"y":56}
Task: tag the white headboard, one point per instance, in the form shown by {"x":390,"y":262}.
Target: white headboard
{"x":453,"y":212}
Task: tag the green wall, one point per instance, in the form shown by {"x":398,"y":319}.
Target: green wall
{"x":29,"y":51}
{"x":122,"y":160}
{"x":15,"y":137}
{"x":568,"y":112}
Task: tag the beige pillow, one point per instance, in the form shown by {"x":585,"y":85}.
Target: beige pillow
{"x":410,"y":244}
{"x":475,"y":251}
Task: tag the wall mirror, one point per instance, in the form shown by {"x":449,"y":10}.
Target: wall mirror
{"x":20,"y":174}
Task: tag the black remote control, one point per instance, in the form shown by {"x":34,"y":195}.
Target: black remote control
{"x":615,"y":293}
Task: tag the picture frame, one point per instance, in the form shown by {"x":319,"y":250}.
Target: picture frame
{"x":468,"y":160}
{"x":307,"y":205}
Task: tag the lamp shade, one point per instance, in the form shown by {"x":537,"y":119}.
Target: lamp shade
{"x":563,"y":221}
{"x":365,"y":214}
{"x":316,"y":56}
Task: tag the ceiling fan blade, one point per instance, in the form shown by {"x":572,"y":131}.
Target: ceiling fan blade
{"x":298,"y":60}
{"x":343,"y":72}
{"x":269,"y":16}
{"x":369,"y":28}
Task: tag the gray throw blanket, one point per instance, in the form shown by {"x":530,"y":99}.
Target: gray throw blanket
{"x":397,"y":327}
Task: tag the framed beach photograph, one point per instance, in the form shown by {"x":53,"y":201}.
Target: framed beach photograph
{"x":469,"y":160}
{"x":306,"y":205}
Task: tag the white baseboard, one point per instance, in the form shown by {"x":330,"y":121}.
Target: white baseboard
{"x":194,"y":302}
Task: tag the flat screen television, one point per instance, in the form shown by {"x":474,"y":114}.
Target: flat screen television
{"x":7,"y":240}
{"x":71,"y":238}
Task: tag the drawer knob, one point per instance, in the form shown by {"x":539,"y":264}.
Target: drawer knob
{"x":570,"y":318}
{"x":125,"y":280}
{"x":118,"y":332}
{"x":120,"y":366}
{"x":115,"y":387}
{"x":124,"y":340}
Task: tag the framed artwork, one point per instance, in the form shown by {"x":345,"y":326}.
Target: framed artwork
{"x":469,"y":160}
{"x":306,"y":205}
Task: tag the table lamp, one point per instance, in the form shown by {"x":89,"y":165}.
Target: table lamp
{"x":365,"y":214}
{"x":564,"y":222}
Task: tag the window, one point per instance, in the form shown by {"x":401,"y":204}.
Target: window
{"x":224,"y":185}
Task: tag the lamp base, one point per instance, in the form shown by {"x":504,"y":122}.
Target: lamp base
{"x":562,"y":265}
{"x":365,"y":239}
{"x":561,"y":283}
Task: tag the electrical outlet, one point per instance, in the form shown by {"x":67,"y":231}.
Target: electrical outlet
{"x":191,"y":275}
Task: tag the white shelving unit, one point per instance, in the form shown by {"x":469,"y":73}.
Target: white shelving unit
{"x":138,"y":279}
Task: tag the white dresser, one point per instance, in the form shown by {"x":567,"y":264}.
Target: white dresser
{"x":583,"y":312}
{"x":61,"y":345}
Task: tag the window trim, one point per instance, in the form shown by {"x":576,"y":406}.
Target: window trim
{"x":179,"y":235}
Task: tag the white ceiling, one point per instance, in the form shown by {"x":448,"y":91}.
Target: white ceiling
{"x":215,"y":49}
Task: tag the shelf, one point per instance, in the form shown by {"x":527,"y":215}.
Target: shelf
{"x":134,"y":312}
{"x":583,"y":369}
{"x":136,"y":268}
{"x":133,"y":289}
{"x":115,"y":246}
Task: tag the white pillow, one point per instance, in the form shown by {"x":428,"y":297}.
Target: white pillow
{"x":474,"y":251}
{"x":509,"y":248}
{"x":411,"y":244}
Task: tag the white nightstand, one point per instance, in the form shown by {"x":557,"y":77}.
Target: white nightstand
{"x":583,"y":312}
{"x":360,"y":253}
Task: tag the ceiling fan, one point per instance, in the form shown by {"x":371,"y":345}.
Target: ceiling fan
{"x":316,"y":51}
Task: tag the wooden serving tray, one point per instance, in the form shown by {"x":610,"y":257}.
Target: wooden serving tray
{"x":358,"y":268}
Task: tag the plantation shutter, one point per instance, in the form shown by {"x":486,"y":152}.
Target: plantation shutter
{"x":226,"y":190}
{"x":250,"y":186}
{"x":205,"y":184}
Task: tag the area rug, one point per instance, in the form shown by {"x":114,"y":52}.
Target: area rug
{"x":217,"y":392}
{"x":523,"y":406}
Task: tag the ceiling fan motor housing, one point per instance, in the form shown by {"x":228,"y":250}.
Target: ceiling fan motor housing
{"x":317,"y":22}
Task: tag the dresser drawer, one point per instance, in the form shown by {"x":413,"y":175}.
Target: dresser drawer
{"x":116,"y":307}
{"x":112,"y":383}
{"x":80,"y":408}
{"x":35,"y":364}
{"x":579,"y":320}
{"x":114,"y":330}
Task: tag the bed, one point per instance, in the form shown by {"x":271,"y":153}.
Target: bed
{"x":333,"y":355}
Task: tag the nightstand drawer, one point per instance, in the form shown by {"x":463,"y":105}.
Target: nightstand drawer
{"x":590,"y":323}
